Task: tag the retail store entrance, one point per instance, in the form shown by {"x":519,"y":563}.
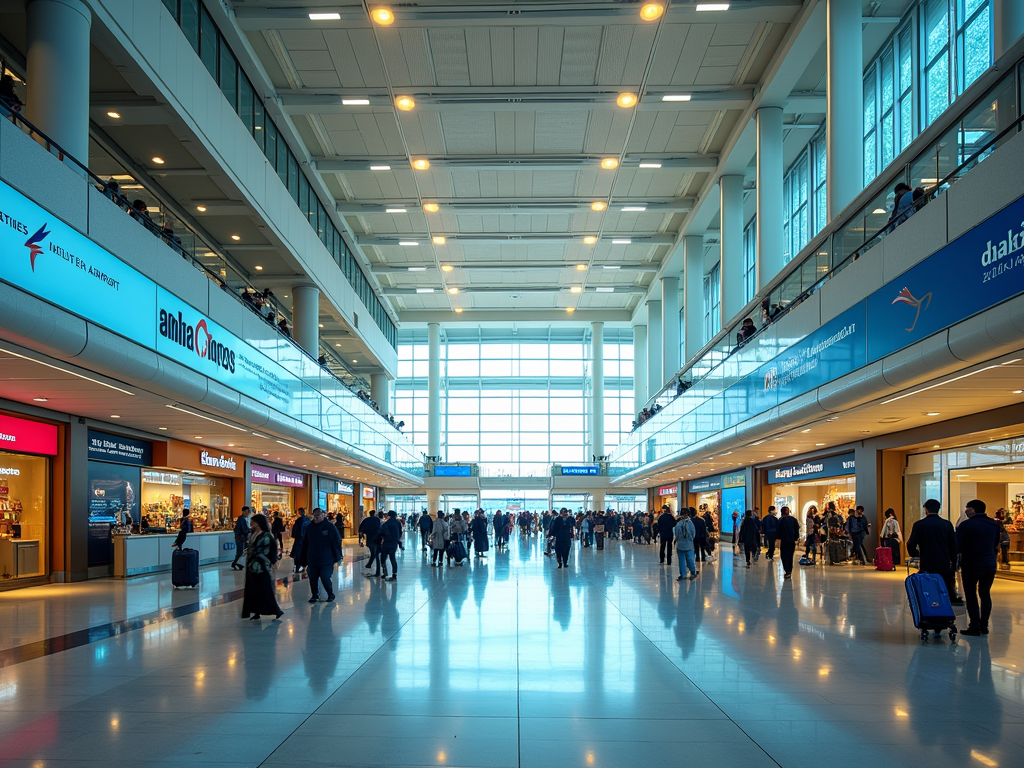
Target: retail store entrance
{"x":814,"y":483}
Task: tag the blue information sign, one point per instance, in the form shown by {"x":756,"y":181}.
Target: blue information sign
{"x":442,"y":470}
{"x":586,"y":469}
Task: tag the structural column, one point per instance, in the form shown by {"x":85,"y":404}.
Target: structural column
{"x":597,"y":389}
{"x":731,"y":223}
{"x":845,"y":112}
{"x":306,"y":318}
{"x":770,"y":250}
{"x":669,"y":328}
{"x":1007,"y":24}
{"x":433,"y":501}
{"x":597,"y":499}
{"x":380,"y":391}
{"x":639,"y":367}
{"x":58,"y":72}
{"x":693,"y":301}
{"x":654,"y":349}
{"x":434,"y":389}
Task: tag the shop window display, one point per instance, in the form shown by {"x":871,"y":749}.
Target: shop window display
{"x":165,"y":495}
{"x":23,"y":515}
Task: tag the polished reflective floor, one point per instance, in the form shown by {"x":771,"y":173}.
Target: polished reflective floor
{"x":508,"y":662}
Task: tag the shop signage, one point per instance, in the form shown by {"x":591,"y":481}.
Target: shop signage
{"x":668,"y":490}
{"x":367,"y":492}
{"x":830,"y":466}
{"x":343,"y":488}
{"x":118,"y":449}
{"x":441,"y":470}
{"x":12,"y":471}
{"x":587,"y":469}
{"x":46,"y":257}
{"x":734,"y":480}
{"x":217,"y":462}
{"x":706,"y":484}
{"x":271,"y":476}
{"x":25,"y":436}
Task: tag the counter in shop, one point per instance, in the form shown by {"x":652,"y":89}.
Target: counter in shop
{"x":149,"y":553}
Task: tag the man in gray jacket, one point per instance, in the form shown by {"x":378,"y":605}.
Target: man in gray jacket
{"x":684,"y":534}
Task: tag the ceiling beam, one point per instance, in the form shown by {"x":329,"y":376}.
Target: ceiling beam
{"x":502,"y":237}
{"x":517,"y":289}
{"x":503,"y":317}
{"x":519,"y":206}
{"x":398,"y":269}
{"x":341,"y":164}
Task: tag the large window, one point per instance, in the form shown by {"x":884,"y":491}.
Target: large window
{"x":750,"y":260}
{"x":516,"y":402}
{"x":712,"y":303}
{"x":804,"y":210}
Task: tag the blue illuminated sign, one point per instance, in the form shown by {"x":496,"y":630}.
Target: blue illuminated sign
{"x":449,"y":471}
{"x":830,"y":466}
{"x":586,"y":469}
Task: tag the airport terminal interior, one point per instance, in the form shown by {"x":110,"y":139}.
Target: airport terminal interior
{"x":511,"y":383}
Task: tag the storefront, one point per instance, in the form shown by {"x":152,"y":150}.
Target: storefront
{"x":992,"y":472}
{"x":277,"y":491}
{"x":666,"y":494}
{"x":191,"y":477}
{"x":27,"y":449}
{"x":115,"y":471}
{"x":721,"y":496}
{"x":335,"y":497}
{"x":369,"y":499}
{"x":812,"y":483}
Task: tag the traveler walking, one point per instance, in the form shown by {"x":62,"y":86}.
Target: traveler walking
{"x":320,"y":550}
{"x":789,"y":535}
{"x":425,"y":524}
{"x":859,"y":529}
{"x":369,"y":529}
{"x":770,"y":531}
{"x":438,"y":540}
{"x":277,"y":529}
{"x":891,"y":535}
{"x":260,"y":555}
{"x":933,"y":540}
{"x":701,"y":548}
{"x":748,"y":536}
{"x":1004,"y":539}
{"x":241,"y":538}
{"x":479,"y":530}
{"x":184,"y":530}
{"x":666,"y":526}
{"x":390,"y":538}
{"x":297,"y":527}
{"x":562,"y":531}
{"x":684,"y":534}
{"x":978,"y":541}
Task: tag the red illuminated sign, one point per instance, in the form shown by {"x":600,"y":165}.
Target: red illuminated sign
{"x":667,"y":490}
{"x":24,"y":436}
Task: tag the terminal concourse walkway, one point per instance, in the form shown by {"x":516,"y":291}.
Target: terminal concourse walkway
{"x":508,"y":662}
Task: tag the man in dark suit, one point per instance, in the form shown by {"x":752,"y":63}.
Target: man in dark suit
{"x":789,"y":535}
{"x":933,"y":539}
{"x":666,"y":525}
{"x":241,"y":537}
{"x":320,"y":550}
{"x":561,"y":529}
{"x":978,"y":541}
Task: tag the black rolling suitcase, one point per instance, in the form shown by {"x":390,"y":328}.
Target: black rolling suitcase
{"x":185,"y":568}
{"x":457,"y":551}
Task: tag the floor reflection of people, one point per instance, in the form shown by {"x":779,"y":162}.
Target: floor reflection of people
{"x":787,"y":620}
{"x":389,"y":620}
{"x":666,"y":598}
{"x":480,"y":583}
{"x":561,"y":604}
{"x":689,"y":615}
{"x":373,"y":607}
{"x":323,"y":648}
{"x":259,"y":660}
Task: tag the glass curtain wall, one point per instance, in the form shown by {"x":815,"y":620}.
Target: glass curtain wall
{"x":515,"y":400}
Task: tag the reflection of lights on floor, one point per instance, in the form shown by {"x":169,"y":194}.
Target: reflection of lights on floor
{"x":901,"y":712}
{"x":8,"y":690}
{"x":823,"y":672}
{"x":771,"y":638}
{"x":441,"y":756}
{"x":796,"y":653}
{"x":983,"y":759}
{"x":741,"y":626}
{"x":115,"y":723}
{"x":590,"y":758}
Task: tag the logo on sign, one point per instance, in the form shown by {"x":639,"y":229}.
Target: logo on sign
{"x":920,"y":305}
{"x":771,"y":379}
{"x":34,"y":249}
{"x":259,"y":474}
{"x":221,"y":462}
{"x":13,"y":472}
{"x":198,"y":339}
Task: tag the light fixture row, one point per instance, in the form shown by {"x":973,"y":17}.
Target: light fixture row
{"x":385,"y":17}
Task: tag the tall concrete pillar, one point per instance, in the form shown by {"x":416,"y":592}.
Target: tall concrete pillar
{"x":1007,"y":24}
{"x":597,"y":389}
{"x":845,"y":112}
{"x":654,"y":349}
{"x":770,"y":250}
{"x":434,"y":389}
{"x":639,"y":367}
{"x":433,"y":501}
{"x":731,"y":224}
{"x":597,"y":499}
{"x":380,"y":391}
{"x":693,"y":301}
{"x":306,"y":318}
{"x":669,"y":328}
{"x":57,"y":67}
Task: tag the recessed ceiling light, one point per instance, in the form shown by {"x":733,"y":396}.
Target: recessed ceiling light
{"x":325,"y":17}
{"x":581,"y":267}
{"x":650,"y":165}
{"x":1018,"y":391}
{"x":258,"y":268}
{"x":115,"y":115}
{"x":408,"y":242}
{"x":819,"y":444}
{"x":865,"y":431}
{"x":395,"y":210}
{"x":158,"y":160}
{"x":793,"y":450}
{"x":935,"y":446}
{"x":424,"y":290}
{"x":771,"y":455}
{"x":114,"y":416}
{"x":605,"y":289}
{"x":805,"y":431}
{"x":576,"y":289}
{"x":40,"y":399}
{"x":712,"y":6}
{"x":438,"y":240}
{"x":382,"y":16}
{"x":627,"y":100}
{"x":676,"y":97}
{"x":589,"y":239}
{"x":431,"y":207}
{"x":405,"y":103}
{"x":651,"y":11}
{"x":458,"y":310}
{"x":231,"y":445}
{"x":598,"y":205}
{"x":321,"y":325}
{"x":881,"y":211}
{"x":570,"y":310}
{"x":634,"y":208}
{"x":355,"y":102}
{"x":610,"y":163}
{"x":198,"y":437}
{"x":201,"y":208}
{"x":417,"y":269}
{"x":612,"y":266}
{"x":354,"y":360}
{"x":447,"y":268}
{"x":162,"y":429}
{"x":453,"y":290}
{"x":623,"y":241}
{"x":932,"y":413}
{"x":421,"y":164}
{"x":380,"y":167}
{"x":236,"y":238}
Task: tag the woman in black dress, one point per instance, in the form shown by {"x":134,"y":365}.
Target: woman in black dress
{"x":260,"y":554}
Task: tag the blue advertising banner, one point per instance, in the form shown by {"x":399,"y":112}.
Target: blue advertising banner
{"x":829,"y":466}
{"x":104,"y":446}
{"x":705,"y":484}
{"x":47,"y":258}
{"x":976,"y":271}
{"x":587,"y":469}
{"x":447,"y":471}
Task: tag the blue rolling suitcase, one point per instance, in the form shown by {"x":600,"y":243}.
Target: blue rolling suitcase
{"x":929,"y":604}
{"x":185,"y":568}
